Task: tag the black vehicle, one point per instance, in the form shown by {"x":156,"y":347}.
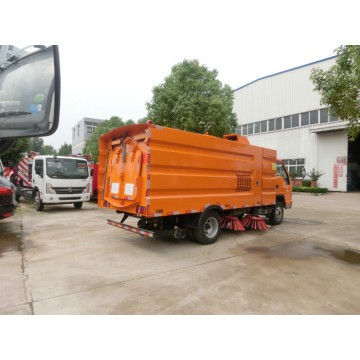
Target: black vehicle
{"x":8,"y":202}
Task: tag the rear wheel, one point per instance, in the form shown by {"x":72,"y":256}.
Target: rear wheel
{"x":277,"y":214}
{"x":39,"y":205}
{"x":78,"y":205}
{"x":209,"y":228}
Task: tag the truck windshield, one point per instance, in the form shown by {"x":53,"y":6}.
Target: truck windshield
{"x":66,"y":168}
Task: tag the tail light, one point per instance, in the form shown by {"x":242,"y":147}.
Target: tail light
{"x":6,"y":190}
{"x":141,"y":210}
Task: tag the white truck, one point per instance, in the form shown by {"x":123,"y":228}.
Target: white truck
{"x":60,"y":180}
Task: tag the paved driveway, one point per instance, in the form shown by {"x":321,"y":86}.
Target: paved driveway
{"x":69,"y":261}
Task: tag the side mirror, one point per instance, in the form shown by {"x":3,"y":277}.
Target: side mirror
{"x":91,"y":172}
{"x":30,"y":95}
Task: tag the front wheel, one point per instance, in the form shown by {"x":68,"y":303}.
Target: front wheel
{"x":78,"y":205}
{"x":209,"y":228}
{"x":277,"y":214}
{"x":39,"y":205}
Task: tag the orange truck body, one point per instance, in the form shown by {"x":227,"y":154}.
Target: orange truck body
{"x":151,"y":171}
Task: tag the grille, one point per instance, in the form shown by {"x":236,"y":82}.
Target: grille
{"x":70,"y":198}
{"x":243,"y":183}
{"x":66,"y":190}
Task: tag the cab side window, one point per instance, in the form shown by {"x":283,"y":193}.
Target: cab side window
{"x":39,"y":168}
{"x":280,"y":171}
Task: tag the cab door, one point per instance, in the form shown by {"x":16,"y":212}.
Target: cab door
{"x":38,"y":175}
{"x":283,"y":183}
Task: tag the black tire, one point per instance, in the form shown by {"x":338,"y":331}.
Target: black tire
{"x":17,"y":196}
{"x":39,"y":205}
{"x":209,"y":228}
{"x":78,"y":205}
{"x":277,"y":214}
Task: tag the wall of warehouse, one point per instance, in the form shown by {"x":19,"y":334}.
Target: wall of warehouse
{"x":284,"y":113}
{"x":286,"y":93}
{"x":323,"y":151}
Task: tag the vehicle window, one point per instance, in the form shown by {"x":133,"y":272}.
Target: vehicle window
{"x":39,"y":167}
{"x":59,"y":168}
{"x":280,"y":171}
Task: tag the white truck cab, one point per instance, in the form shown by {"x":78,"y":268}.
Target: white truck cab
{"x":60,"y":180}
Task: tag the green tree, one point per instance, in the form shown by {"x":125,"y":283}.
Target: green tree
{"x":340,"y":87}
{"x":192,"y":99}
{"x":35,"y":144}
{"x":48,"y":150}
{"x":14,"y":153}
{"x":142,"y":120}
{"x":92,"y":144}
{"x":65,"y":149}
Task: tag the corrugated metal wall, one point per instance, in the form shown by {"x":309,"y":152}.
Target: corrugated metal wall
{"x":284,"y":94}
{"x":288,"y":93}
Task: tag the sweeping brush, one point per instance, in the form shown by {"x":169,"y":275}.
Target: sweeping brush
{"x":254,"y":222}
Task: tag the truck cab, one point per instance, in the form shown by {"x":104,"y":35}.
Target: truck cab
{"x":60,"y":180}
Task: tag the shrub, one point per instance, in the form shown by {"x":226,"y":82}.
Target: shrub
{"x":315,"y":175}
{"x":306,"y":183}
{"x":314,"y":190}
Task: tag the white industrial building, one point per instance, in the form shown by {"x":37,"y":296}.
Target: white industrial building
{"x":82,"y":132}
{"x":283,"y":112}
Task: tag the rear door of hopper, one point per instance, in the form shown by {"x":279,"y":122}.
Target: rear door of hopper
{"x":124,"y":171}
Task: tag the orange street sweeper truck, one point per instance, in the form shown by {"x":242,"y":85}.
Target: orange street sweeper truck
{"x":189,"y":184}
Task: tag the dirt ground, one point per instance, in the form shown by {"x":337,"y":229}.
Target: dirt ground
{"x":69,"y":261}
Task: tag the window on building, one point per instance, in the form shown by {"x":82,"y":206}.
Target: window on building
{"x":295,"y":166}
{"x":287,"y":122}
{"x":295,"y":120}
{"x":314,"y":117}
{"x":78,"y":132}
{"x":278,"y":124}
{"x":333,"y":118}
{"x":324,"y":116}
{"x":89,"y":129}
{"x":11,"y":48}
{"x":250,"y":129}
{"x":73,"y":133}
{"x":305,"y":119}
{"x":272,"y":125}
{"x":263,"y":126}
{"x":238,"y":130}
{"x":257,"y":127}
{"x":244,"y":130}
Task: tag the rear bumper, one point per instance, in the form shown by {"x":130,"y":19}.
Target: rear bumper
{"x":7,"y":211}
{"x":131,"y":228}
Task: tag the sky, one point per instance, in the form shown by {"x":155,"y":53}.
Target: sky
{"x":113,"y":53}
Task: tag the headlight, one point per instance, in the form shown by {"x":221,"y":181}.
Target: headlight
{"x":87,"y":189}
{"x":49,"y":189}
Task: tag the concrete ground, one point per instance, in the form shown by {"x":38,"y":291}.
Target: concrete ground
{"x":68,"y":261}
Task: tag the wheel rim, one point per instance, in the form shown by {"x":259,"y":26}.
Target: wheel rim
{"x":278,"y":213}
{"x":211,"y":227}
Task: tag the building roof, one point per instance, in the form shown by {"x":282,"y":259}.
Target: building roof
{"x":281,"y":72}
